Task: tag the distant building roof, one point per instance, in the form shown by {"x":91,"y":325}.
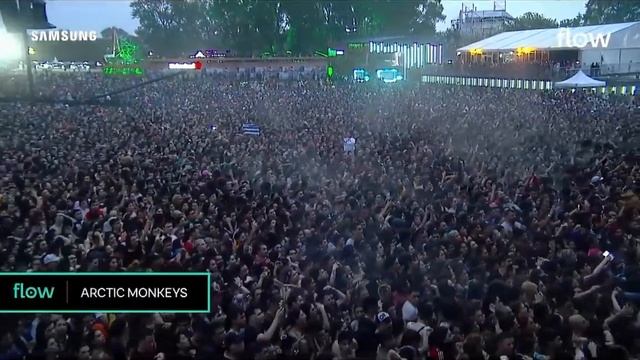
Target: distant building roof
{"x":488,"y":14}
{"x":622,"y":36}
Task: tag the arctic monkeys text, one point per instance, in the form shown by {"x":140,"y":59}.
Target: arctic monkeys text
{"x":134,"y":293}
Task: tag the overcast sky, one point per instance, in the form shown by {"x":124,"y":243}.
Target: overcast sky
{"x":99,"y":14}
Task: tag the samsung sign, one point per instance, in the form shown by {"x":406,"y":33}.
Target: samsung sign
{"x":63,"y":35}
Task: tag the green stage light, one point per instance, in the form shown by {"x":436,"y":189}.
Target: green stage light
{"x":329,"y":71}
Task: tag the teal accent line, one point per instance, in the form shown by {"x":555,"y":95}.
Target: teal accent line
{"x":208,"y":292}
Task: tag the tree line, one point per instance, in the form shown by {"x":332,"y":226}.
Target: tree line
{"x":253,"y":27}
{"x":596,"y":12}
{"x":301,"y":27}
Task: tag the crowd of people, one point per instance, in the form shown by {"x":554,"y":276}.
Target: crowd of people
{"x":468,"y":223}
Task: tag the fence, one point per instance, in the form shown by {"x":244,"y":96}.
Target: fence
{"x":615,"y":69}
{"x":518,"y":70}
{"x":524,"y":84}
{"x":545,"y":72}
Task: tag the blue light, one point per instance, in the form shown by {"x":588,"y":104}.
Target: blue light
{"x":360,"y":75}
{"x":388,"y":75}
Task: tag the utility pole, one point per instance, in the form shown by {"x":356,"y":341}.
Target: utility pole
{"x":20,"y":15}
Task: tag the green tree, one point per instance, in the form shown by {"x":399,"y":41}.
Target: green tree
{"x":108,"y":33}
{"x":611,"y":11}
{"x":168,"y":26}
{"x":269,"y":28}
{"x":250,"y":27}
{"x":576,"y":21}
{"x":306,"y":26}
{"x":531,"y":20}
{"x":430,"y":13}
{"x":313,"y":25}
{"x":389,"y":17}
{"x":340,"y":19}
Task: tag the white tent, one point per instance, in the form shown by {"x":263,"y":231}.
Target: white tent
{"x":579,"y":80}
{"x":616,"y":36}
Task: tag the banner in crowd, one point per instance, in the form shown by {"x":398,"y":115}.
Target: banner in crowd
{"x":250,"y":129}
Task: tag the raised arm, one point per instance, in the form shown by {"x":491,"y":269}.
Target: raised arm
{"x":268,"y":334}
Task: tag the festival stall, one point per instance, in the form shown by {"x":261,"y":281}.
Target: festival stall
{"x":580,"y":80}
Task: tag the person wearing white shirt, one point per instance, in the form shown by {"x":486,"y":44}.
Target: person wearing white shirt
{"x":409,"y":309}
{"x":420,"y":325}
{"x":349,"y":144}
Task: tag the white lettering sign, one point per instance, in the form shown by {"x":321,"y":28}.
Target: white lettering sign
{"x":63,"y":35}
{"x":567,"y":38}
{"x":182,"y":66}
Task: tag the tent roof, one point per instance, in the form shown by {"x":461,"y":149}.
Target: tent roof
{"x":579,"y":80}
{"x":623,"y":35}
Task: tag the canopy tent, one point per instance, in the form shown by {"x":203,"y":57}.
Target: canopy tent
{"x":579,"y":80}
{"x":618,"y":36}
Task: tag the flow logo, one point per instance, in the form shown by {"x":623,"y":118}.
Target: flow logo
{"x":32,"y":292}
{"x":64,"y":35}
{"x":567,"y":38}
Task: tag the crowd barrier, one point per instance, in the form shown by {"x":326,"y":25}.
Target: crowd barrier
{"x":532,"y":71}
{"x":524,"y":84}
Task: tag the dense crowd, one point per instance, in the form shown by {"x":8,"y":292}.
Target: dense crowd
{"x":467,"y":224}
